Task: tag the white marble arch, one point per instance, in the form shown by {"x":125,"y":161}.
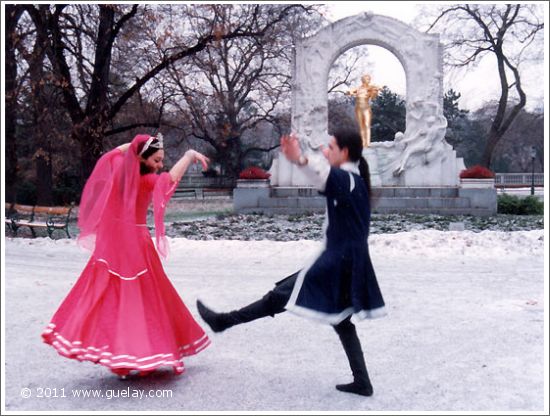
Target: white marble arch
{"x":418,"y":157}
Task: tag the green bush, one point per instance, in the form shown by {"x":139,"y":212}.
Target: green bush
{"x":25,"y":193}
{"x":64,"y":195}
{"x":64,"y":192}
{"x":515,"y":205}
{"x":531,"y":205}
{"x":508,"y":204}
{"x":67,"y":189}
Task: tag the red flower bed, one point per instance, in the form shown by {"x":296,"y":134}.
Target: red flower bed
{"x":254,"y":172}
{"x":477,"y":172}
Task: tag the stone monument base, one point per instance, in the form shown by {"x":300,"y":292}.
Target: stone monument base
{"x":452,"y":200}
{"x":386,"y":200}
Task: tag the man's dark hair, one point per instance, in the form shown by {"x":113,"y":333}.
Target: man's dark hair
{"x":350,"y":139}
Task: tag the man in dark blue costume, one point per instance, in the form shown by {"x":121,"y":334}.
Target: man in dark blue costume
{"x":340,"y":282}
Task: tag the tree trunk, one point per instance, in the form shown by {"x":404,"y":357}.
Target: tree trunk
{"x":43,"y":165}
{"x":488,"y":150}
{"x":13,"y":13}
{"x":230,"y":157}
{"x":91,"y":148}
{"x":40,"y":102}
{"x":504,"y":116}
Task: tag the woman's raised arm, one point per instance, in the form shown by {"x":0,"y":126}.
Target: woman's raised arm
{"x":189,"y":157}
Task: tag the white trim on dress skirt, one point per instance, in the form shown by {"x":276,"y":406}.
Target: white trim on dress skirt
{"x":119,"y":275}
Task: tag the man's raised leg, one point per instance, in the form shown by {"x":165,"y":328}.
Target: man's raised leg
{"x":273,"y":302}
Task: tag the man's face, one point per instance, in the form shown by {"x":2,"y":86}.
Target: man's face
{"x":334,"y":154}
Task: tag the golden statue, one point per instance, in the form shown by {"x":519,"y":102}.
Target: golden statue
{"x":363,"y":113}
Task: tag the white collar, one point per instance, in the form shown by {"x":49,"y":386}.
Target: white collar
{"x":352,"y":167}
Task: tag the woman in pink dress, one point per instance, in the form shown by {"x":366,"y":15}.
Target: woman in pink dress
{"x":123,"y":312}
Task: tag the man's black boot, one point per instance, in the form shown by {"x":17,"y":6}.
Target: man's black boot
{"x":221,"y":321}
{"x":352,"y":346}
{"x":356,"y":388}
{"x":217,"y":321}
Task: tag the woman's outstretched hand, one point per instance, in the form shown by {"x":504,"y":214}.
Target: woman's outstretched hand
{"x":198,"y":157}
{"x":189,"y":157}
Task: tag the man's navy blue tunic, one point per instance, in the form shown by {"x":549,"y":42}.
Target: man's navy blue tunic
{"x":341,"y":281}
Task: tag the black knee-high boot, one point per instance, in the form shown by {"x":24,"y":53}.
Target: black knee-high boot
{"x":352,"y":346}
{"x":221,"y":321}
{"x":272,"y":303}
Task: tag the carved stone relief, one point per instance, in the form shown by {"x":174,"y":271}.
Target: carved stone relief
{"x":420,"y":156}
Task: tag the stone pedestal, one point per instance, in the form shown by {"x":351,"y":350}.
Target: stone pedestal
{"x":476,"y":183}
{"x":253,"y":183}
{"x":371,"y":157}
{"x":248,"y":192}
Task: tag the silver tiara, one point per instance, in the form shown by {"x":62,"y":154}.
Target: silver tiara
{"x":149,"y":143}
{"x":160,"y":143}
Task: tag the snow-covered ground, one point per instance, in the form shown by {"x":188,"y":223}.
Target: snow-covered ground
{"x":465,"y":329}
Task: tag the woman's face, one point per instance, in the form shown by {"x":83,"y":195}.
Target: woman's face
{"x":334,"y":154}
{"x":154,"y":162}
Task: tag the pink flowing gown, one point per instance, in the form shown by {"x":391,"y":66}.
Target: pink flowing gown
{"x":123,"y":312}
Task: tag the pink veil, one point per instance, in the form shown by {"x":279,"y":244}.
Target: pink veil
{"x":163,"y":191}
{"x":107,"y":217}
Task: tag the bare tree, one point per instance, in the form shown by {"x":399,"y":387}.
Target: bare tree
{"x":510,"y":32}
{"x":13,"y":14}
{"x":82,"y":42}
{"x":38,"y":86}
{"x":235,"y":84}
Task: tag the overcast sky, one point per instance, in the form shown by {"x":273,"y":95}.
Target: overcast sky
{"x":476,"y":85}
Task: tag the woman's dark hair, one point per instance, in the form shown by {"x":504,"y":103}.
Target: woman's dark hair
{"x":351,"y":139}
{"x":143,"y":169}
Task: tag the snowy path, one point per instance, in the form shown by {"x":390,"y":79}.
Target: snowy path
{"x":465,"y":329}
